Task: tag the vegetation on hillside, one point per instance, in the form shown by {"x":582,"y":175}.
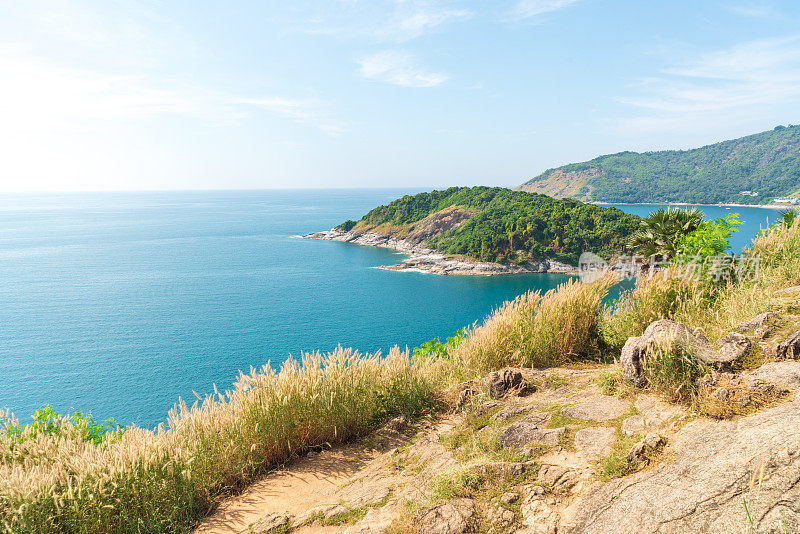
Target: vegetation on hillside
{"x":509,"y":225}
{"x":767,"y":163}
{"x":65,"y":474}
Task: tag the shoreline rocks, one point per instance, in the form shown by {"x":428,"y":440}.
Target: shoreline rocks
{"x":423,"y":258}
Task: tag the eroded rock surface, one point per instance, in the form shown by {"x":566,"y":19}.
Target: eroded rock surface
{"x":453,"y":517}
{"x":524,"y":433}
{"x":597,"y":408}
{"x":701,"y":490}
{"x":595,"y":443}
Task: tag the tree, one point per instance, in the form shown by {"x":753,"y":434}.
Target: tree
{"x":662,"y":229}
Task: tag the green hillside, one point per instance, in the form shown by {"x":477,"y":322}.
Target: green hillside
{"x":498,"y":224}
{"x":767,"y":163}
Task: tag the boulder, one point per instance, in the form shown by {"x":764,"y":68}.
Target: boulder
{"x":732,"y":348}
{"x":671,"y":335}
{"x":452,"y":517}
{"x":761,"y":326}
{"x":507,"y":382}
{"x":789,"y":349}
{"x":642,"y":452}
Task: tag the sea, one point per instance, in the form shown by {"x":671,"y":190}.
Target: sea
{"x":118,"y":304}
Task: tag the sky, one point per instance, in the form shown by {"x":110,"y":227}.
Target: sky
{"x":192,"y":94}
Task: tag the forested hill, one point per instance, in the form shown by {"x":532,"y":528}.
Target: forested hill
{"x":767,"y":163}
{"x":498,"y":224}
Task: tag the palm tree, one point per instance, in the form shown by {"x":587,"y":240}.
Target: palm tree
{"x":788,"y":217}
{"x":662,"y":229}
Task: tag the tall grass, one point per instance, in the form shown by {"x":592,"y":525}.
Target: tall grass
{"x":536,"y":330}
{"x":164,"y":480}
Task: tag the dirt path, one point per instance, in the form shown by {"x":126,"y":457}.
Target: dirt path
{"x":306,"y":484}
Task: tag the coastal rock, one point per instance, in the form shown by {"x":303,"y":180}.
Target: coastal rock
{"x":376,"y":521}
{"x":453,"y":517}
{"x":539,"y":516}
{"x":423,"y":258}
{"x":501,"y":470}
{"x":510,"y":412}
{"x":789,"y":349}
{"x":507,"y":382}
{"x":560,"y":479}
{"x":500,"y":518}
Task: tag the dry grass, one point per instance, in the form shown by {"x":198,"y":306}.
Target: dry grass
{"x":536,"y":330}
{"x":163,"y":480}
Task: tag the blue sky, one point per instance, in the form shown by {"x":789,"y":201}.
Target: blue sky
{"x":100,"y":95}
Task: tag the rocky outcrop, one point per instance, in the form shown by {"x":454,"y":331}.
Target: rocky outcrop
{"x":701,"y":490}
{"x":453,"y":517}
{"x":424,"y":258}
{"x":524,"y":433}
{"x":761,"y":326}
{"x":507,"y":382}
{"x":789,"y":349}
{"x":668,"y":335}
{"x":643,"y":451}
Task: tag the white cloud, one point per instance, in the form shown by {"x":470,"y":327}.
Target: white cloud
{"x":398,"y":68}
{"x":712,"y":86}
{"x":412,"y":20}
{"x":395,"y":21}
{"x":758,"y":11}
{"x":303,"y":111}
{"x":525,"y":9}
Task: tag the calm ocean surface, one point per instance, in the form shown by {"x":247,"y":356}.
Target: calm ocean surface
{"x":119,"y":303}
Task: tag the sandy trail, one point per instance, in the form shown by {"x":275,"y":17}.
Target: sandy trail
{"x":295,"y":489}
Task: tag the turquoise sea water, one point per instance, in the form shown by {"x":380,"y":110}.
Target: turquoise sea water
{"x":119,"y":303}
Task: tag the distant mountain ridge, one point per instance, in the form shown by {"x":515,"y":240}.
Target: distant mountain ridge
{"x":766,"y":165}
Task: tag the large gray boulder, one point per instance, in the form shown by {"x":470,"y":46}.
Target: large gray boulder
{"x":670,"y":335}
